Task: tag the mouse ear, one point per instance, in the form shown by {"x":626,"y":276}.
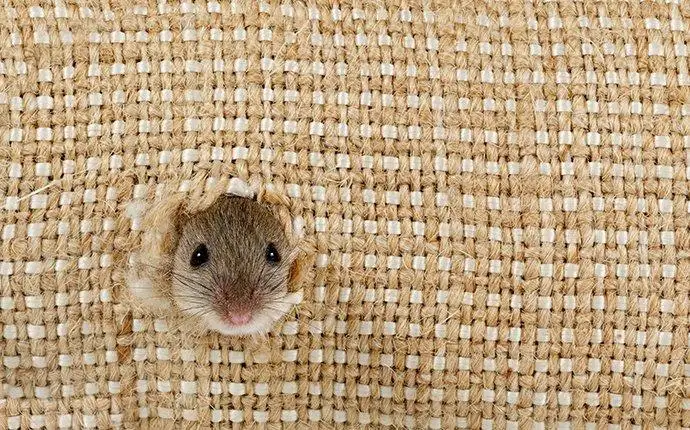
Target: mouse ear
{"x":297,"y":272}
{"x":178,"y":219}
{"x":299,"y":267}
{"x":173,"y":215}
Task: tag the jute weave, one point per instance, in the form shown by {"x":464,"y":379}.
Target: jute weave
{"x":496,"y":195}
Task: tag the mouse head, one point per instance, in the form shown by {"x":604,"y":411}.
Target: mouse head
{"x":232,"y":266}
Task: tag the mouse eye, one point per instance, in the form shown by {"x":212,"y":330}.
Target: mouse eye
{"x":199,"y":256}
{"x":272,"y":254}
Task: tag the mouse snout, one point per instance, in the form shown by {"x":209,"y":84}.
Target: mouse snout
{"x":237,"y":307}
{"x":239,"y":318}
{"x":237,"y":315}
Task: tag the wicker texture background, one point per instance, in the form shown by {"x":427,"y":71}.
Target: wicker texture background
{"x":497,"y":195}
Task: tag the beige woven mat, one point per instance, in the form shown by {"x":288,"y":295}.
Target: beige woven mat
{"x":497,"y":194}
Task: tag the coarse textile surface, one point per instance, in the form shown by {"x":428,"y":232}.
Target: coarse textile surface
{"x":496,"y":194}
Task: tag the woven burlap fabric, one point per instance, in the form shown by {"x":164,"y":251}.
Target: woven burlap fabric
{"x":496,"y":195}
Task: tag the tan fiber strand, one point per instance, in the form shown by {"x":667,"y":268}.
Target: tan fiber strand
{"x":490,"y":201}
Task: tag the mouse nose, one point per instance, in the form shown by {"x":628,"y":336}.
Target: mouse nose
{"x":240,"y":318}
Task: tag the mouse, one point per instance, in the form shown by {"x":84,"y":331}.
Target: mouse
{"x":232,"y":266}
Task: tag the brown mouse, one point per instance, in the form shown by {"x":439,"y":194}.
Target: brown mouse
{"x":232,"y":266}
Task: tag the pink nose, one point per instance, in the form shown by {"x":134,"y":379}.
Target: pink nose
{"x":240,"y":318}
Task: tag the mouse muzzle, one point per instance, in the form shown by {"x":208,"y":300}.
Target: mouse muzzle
{"x":239,"y":318}
{"x":236,"y":305}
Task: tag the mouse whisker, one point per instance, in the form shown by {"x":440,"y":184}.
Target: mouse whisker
{"x":277,"y":299}
{"x":168,"y":271}
{"x":275,"y":276}
{"x":269,"y":292}
{"x":189,"y":306}
{"x":193,"y":289}
{"x":193,"y":313}
{"x":180,"y":277}
{"x":271,"y":295}
{"x":279,"y":311}
{"x":189,"y":283}
{"x":215,"y":279}
{"x":258,"y":278}
{"x":195,"y":306}
{"x":185,"y":280}
{"x":314,"y":328}
{"x":194,"y":285}
{"x":331,"y":310}
{"x":219,"y":282}
{"x":187,"y":296}
{"x":280,"y":281}
{"x":274,"y":281}
{"x":179,"y":322}
{"x":268,"y":306}
{"x":190,"y":299}
{"x":277,"y":303}
{"x":272,"y":292}
{"x":197,"y":297}
{"x":199,"y":312}
{"x":187,"y":309}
